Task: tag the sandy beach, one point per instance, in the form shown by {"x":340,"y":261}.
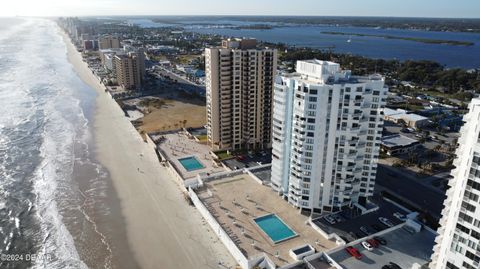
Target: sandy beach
{"x":163,"y":231}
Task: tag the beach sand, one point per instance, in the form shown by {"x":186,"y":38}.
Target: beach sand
{"x":163,"y":231}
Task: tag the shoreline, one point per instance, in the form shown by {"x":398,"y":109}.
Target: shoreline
{"x":163,"y":231}
{"x":414,"y":39}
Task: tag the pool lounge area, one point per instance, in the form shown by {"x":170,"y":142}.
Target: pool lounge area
{"x":191,"y":163}
{"x":258,"y":221}
{"x":274,"y":228}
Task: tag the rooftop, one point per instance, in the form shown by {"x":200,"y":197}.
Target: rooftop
{"x":390,"y":112}
{"x":177,"y":145}
{"x":397,"y":140}
{"x":409,"y":117}
{"x":325,"y":72}
{"x":236,"y":201}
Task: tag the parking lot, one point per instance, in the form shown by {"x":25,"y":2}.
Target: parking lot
{"x":349,"y":227}
{"x":402,"y":248}
{"x":249,"y":160}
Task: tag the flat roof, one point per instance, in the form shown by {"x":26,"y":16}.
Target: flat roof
{"x":397,"y":140}
{"x":235,"y":202}
{"x":175,"y":145}
{"x":390,"y":112}
{"x":409,"y":117}
{"x":403,"y":248}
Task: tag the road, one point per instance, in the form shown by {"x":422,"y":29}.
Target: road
{"x":410,"y":190}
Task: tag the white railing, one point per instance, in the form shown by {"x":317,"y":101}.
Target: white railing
{"x":218,"y":230}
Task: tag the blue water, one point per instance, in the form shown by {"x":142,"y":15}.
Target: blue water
{"x":191,"y":163}
{"x":373,"y":47}
{"x":274,"y":228}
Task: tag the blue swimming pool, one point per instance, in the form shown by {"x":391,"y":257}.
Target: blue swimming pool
{"x":191,"y":163}
{"x":275,"y":228}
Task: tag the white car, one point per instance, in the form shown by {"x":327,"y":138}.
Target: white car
{"x":386,"y":222}
{"x":367,"y":246}
{"x":399,"y":216}
{"x":330,"y":219}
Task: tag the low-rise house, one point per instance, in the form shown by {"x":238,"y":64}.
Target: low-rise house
{"x":402,"y":116}
{"x":398,"y":144}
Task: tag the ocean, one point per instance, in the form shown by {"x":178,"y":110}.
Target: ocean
{"x":52,"y":190}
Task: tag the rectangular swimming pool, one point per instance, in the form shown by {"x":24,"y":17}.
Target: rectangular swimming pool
{"x":275,"y":228}
{"x":191,"y":163}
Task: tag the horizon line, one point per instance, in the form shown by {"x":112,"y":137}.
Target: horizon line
{"x":240,"y":15}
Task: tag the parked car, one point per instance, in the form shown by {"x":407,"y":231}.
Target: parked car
{"x":365,"y":230}
{"x":394,"y":265}
{"x":353,"y":235}
{"x":374,"y":243}
{"x":367,"y":246}
{"x":400,"y":216}
{"x":380,"y":240}
{"x":241,"y":158}
{"x":354,"y":252}
{"x":330,"y":219}
{"x":385,"y":222}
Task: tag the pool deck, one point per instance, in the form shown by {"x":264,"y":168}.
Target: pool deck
{"x":177,"y":145}
{"x":236,"y":201}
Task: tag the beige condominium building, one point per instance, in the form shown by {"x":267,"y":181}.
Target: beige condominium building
{"x":130,"y":70}
{"x":239,"y":81}
{"x":458,"y":240}
{"x":108,"y":42}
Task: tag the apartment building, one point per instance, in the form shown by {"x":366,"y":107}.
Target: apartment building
{"x":107,"y":57}
{"x":327,"y":128}
{"x":109,"y":42}
{"x":239,"y":82}
{"x":130,"y":70}
{"x":457,"y":243}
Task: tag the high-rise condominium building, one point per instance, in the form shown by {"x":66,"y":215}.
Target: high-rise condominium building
{"x":327,"y":126}
{"x":239,"y":81}
{"x":108,"y":42}
{"x":458,"y":240}
{"x":130,"y":69}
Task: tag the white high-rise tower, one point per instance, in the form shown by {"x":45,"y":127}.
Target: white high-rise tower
{"x":457,"y":243}
{"x":327,"y":127}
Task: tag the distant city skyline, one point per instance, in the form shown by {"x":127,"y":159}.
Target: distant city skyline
{"x":405,"y":8}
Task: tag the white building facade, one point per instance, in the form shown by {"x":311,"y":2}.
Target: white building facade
{"x":457,"y":243}
{"x":327,"y":128}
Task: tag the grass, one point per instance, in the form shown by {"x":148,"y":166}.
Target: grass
{"x":223,"y":154}
{"x":202,"y":138}
{"x":153,"y":102}
{"x":415,"y":39}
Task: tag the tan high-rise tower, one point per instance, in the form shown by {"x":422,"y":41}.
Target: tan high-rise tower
{"x":239,"y":81}
{"x":108,"y":42}
{"x":130,"y":70}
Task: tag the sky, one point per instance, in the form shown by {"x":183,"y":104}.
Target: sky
{"x":395,"y":8}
